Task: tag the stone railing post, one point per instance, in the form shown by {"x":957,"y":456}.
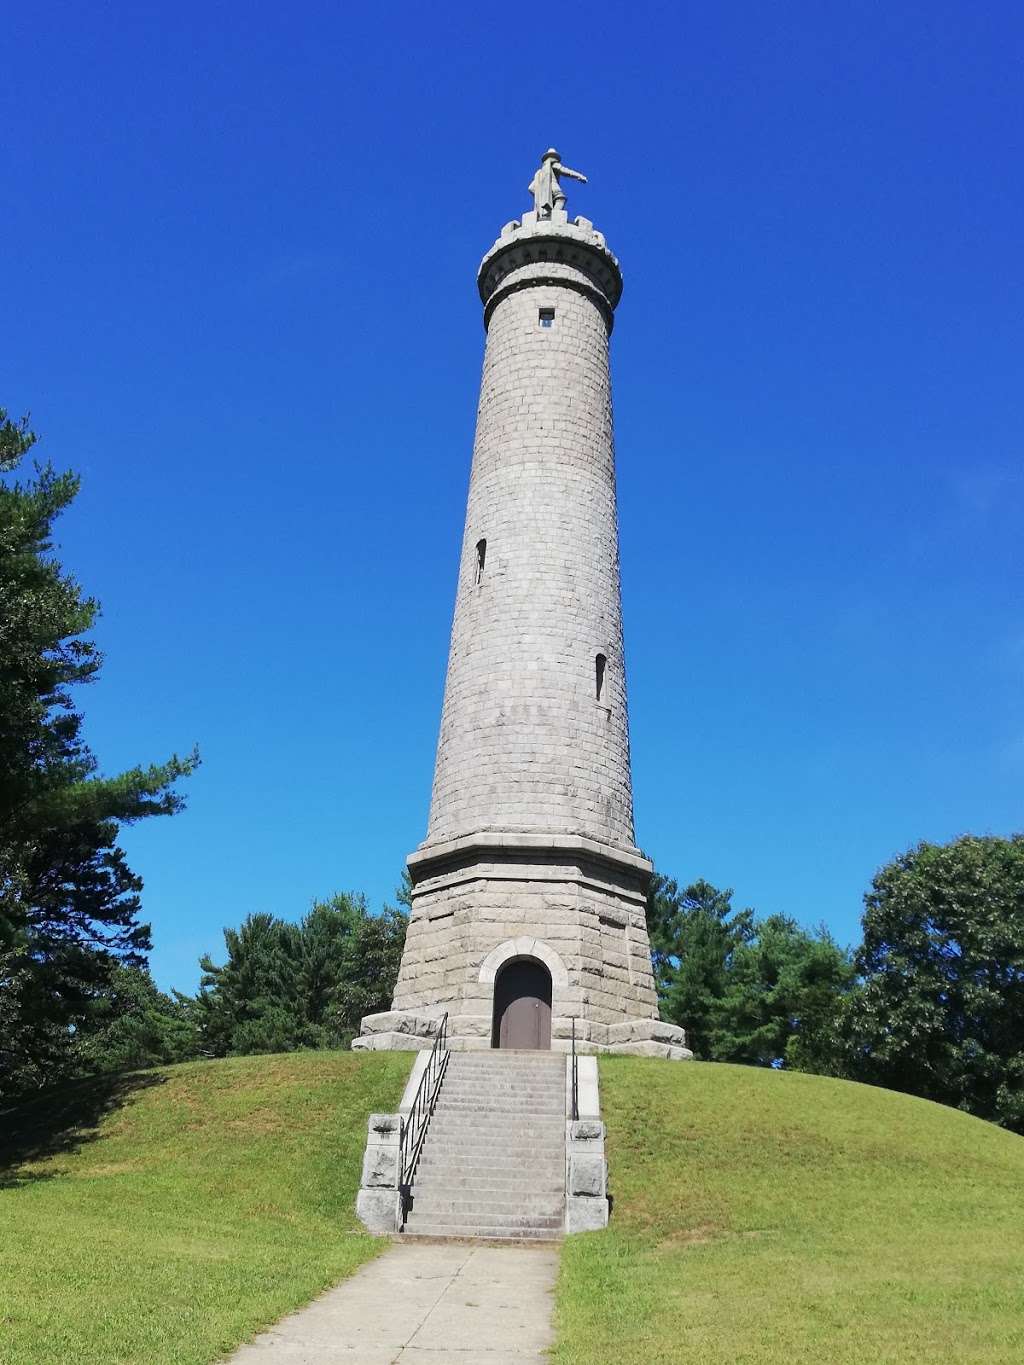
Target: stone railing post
{"x":586,"y":1177}
{"x":378,"y":1202}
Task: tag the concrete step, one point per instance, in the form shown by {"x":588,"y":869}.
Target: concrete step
{"x":538,"y":1209}
{"x":499,"y":1099}
{"x":452,"y":1179}
{"x":496,"y":1140}
{"x":477,"y":1126}
{"x":509,"y":1056}
{"x":507,"y":1201}
{"x":463,"y":1154}
{"x":468,"y":1141}
{"x":481,"y":1105}
{"x":470,"y":1152}
{"x":458,"y":1171}
{"x":481,"y":1156}
{"x":505,"y":1099}
{"x":485,"y":1120}
{"x":496,"y":1220}
{"x":448,"y":1233}
{"x":507,"y":1061}
{"x":508,"y":1104}
{"x":467,"y":1152}
{"x":493,"y":1170}
{"x":492,"y":1187}
{"x":485,"y":1140}
{"x":517,"y":1071}
{"x":522,"y":1076}
{"x":527,"y":1174}
{"x":511,"y":1101}
{"x":469,"y":1114}
{"x":539,"y":1080}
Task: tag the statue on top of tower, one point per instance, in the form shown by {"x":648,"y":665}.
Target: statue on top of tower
{"x":546,"y":187}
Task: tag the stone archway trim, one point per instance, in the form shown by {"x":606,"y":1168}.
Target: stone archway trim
{"x":525,"y":946}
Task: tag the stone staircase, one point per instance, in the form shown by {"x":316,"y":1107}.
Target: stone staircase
{"x":493,"y":1160}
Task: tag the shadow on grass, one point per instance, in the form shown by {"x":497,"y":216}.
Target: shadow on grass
{"x":61,"y":1121}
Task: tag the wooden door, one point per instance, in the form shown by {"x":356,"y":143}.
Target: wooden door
{"x":522,"y":1006}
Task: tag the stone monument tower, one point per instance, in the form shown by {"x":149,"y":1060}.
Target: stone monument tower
{"x":528,"y":900}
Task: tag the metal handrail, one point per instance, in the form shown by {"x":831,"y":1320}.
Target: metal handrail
{"x":414,"y":1125}
{"x":575,"y":1076}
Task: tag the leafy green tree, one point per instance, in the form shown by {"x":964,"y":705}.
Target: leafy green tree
{"x":941,"y":1008}
{"x":69,"y":904}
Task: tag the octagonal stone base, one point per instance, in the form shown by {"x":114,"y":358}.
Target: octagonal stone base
{"x":573,"y":904}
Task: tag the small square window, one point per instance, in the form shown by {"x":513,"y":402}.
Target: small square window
{"x":546,"y":317}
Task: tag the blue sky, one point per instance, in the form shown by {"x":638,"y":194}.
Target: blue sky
{"x":240,"y":244}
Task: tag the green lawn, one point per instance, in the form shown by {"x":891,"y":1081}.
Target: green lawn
{"x":210,"y":1199}
{"x":787,"y":1218}
{"x":758,"y":1217}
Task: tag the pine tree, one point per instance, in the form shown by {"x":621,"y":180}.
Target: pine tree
{"x":761,"y":991}
{"x":287,"y":986}
{"x":69,"y":903}
{"x":134,"y":1025}
{"x":694,"y":934}
{"x":253,"y":1003}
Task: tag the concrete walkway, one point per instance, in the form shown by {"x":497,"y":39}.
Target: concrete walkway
{"x":422,"y":1304}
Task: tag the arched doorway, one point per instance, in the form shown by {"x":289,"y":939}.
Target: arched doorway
{"x":522,"y":1005}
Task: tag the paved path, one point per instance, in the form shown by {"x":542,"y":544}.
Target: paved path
{"x":423,"y":1304}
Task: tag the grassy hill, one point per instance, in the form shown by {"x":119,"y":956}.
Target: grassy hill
{"x":765,"y":1217}
{"x":165,"y":1217}
{"x":758,"y":1217}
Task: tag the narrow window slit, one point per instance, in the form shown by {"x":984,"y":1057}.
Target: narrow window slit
{"x":599,"y":667}
{"x":481,"y":555}
{"x":546,"y":317}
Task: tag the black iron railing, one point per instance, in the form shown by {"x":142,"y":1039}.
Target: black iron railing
{"x":414,"y":1124}
{"x":575,"y":1076}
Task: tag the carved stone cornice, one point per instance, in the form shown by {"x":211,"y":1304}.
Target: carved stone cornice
{"x":498,"y":845}
{"x":535,"y":251}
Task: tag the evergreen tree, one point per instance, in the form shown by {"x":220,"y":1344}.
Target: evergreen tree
{"x":253,"y":1003}
{"x":694,"y":933}
{"x":134,"y":1025}
{"x":69,"y":904}
{"x":781,"y":992}
{"x":369,"y":969}
{"x":764,"y":992}
{"x":286,"y":986}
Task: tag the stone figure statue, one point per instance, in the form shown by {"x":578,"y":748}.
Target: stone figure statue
{"x":545,"y":187}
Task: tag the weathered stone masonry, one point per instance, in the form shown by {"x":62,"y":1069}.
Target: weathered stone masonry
{"x":530,"y":847}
